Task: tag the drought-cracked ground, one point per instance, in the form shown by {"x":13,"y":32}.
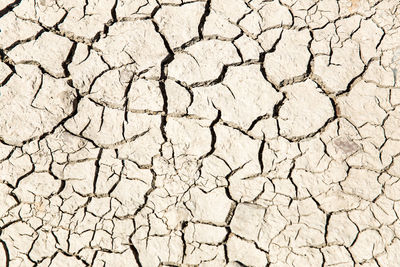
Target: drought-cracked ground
{"x":199,"y":133}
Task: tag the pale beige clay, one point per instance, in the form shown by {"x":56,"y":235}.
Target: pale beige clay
{"x":199,"y":133}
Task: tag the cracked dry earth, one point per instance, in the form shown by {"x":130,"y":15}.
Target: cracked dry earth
{"x":199,"y":133}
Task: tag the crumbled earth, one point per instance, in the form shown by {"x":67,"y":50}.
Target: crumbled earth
{"x":200,"y":133}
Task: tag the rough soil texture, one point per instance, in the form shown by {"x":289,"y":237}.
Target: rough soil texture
{"x":200,"y":133}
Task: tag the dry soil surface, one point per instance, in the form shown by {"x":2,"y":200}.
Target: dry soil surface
{"x":200,"y":133}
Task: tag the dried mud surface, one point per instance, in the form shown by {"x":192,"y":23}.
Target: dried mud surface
{"x":200,"y":133}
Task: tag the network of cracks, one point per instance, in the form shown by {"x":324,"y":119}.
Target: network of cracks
{"x":200,"y":133}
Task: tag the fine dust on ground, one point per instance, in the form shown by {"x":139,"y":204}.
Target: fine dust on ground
{"x":200,"y":133}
